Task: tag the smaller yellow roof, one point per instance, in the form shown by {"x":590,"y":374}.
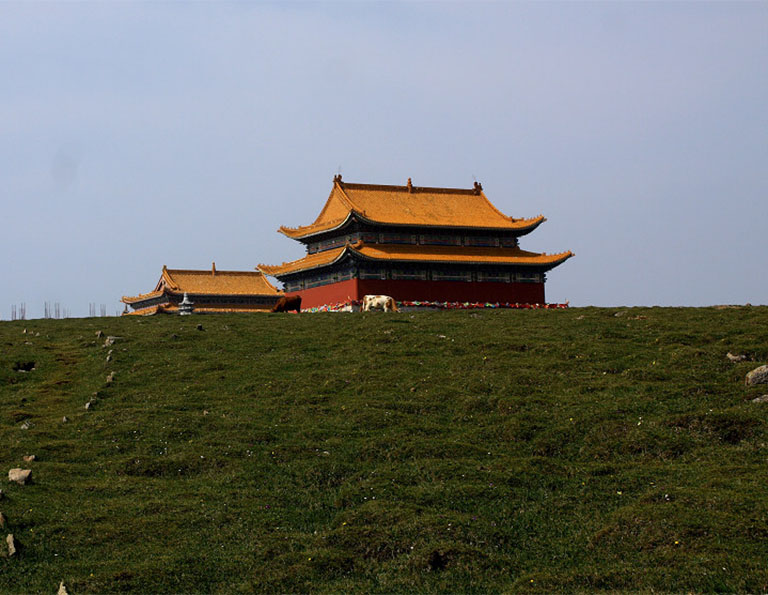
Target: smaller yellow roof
{"x":211,"y":282}
{"x":215,"y":282}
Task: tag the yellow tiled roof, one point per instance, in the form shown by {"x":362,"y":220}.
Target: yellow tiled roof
{"x":310,"y":261}
{"x":145,"y":311}
{"x":463,"y":254}
{"x":210,"y":309}
{"x":411,"y":205}
{"x":213,"y":309}
{"x":417,"y":253}
{"x":127,"y":299}
{"x":216,"y":282}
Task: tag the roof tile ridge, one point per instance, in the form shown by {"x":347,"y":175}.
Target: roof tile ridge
{"x":495,"y":209}
{"x":141,"y":296}
{"x":220,"y":272}
{"x":435,"y":190}
{"x":413,"y":189}
{"x":290,"y":262}
{"x":362,"y":186}
{"x":356,"y":246}
{"x":553,"y":256}
{"x":191,"y":271}
{"x":316,"y":222}
{"x":314,"y":225}
{"x":266,"y":281}
{"x":538,"y":217}
{"x":168,"y":279}
{"x":567,"y":254}
{"x":345,"y":199}
{"x":325,"y":206}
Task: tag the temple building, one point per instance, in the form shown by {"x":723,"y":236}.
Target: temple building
{"x":209,"y":291}
{"x":414,"y":244}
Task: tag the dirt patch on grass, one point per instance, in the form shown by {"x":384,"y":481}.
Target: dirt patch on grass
{"x":731,"y":428}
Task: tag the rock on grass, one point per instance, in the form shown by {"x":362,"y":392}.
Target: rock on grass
{"x":11,"y":544}
{"x":20,"y":476}
{"x":758,"y":376}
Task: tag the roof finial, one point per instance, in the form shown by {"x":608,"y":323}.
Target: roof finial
{"x":337,"y":178}
{"x":213,"y":268}
{"x":478,"y":187}
{"x":410,"y":185}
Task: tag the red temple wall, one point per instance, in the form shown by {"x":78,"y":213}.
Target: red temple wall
{"x":422,"y":291}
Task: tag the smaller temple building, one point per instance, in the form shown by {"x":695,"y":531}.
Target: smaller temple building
{"x":209,"y":291}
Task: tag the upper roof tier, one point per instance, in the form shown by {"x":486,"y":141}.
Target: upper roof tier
{"x":420,"y":254}
{"x":410,"y":205}
{"x":210,"y":282}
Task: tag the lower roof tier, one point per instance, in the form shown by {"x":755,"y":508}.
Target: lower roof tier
{"x":418,"y":253}
{"x":173,"y":309}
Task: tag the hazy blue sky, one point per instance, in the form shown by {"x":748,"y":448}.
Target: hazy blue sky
{"x":134,"y":135}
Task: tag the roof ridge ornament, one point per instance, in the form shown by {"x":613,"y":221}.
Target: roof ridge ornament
{"x":478,"y":187}
{"x":213,"y":269}
{"x":337,"y":179}
{"x":410,"y":185}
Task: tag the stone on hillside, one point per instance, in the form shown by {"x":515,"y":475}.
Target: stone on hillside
{"x":200,"y":327}
{"x":20,"y":476}
{"x":110,"y":378}
{"x":64,"y":419}
{"x":620,"y":313}
{"x":11,"y":544}
{"x":758,"y":376}
{"x":108,"y":359}
{"x":62,"y":589}
{"x":736,"y":357}
{"x":3,"y":520}
{"x":26,"y":425}
{"x":110,"y":340}
{"x":23,"y":366}
{"x":99,"y":334}
{"x":437,"y":561}
{"x":762,"y":399}
{"x":29,"y":458}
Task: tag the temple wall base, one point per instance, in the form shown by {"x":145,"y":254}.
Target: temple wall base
{"x":427,"y":291}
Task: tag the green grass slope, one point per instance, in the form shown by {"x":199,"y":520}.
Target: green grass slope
{"x":584,"y":449}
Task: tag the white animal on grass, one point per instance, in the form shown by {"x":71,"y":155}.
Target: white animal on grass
{"x":379,"y":302}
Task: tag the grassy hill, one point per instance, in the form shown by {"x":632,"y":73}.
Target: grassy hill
{"x":583,"y":449}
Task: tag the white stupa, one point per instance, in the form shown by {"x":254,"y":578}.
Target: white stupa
{"x":185,"y":306}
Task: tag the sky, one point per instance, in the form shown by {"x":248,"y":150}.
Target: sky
{"x":140,"y":134}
